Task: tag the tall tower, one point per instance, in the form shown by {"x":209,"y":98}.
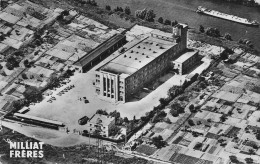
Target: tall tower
{"x":180,"y":33}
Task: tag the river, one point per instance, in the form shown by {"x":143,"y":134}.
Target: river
{"x":184,"y":11}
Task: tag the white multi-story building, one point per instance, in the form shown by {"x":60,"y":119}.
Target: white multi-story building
{"x":101,"y":123}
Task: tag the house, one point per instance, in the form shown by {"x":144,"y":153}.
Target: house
{"x":100,"y":123}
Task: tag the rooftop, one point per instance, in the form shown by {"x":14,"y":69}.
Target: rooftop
{"x":185,"y":56}
{"x":103,"y":119}
{"x":161,"y":33}
{"x":100,"y":49}
{"x":139,"y":55}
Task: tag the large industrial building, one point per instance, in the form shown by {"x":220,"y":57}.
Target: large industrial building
{"x":138,"y":62}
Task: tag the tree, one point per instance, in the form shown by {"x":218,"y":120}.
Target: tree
{"x":150,"y":15}
{"x":9,"y":66}
{"x":227,"y":36}
{"x":114,"y":130}
{"x":223,"y":118}
{"x":174,"y":113}
{"x":115,"y":114}
{"x":190,"y":122}
{"x":24,"y":76}
{"x":257,"y":135}
{"x":160,"y":20}
{"x":202,"y":85}
{"x":162,"y":101}
{"x":249,"y":160}
{"x":213,"y":32}
{"x":13,"y":61}
{"x":141,"y":13}
{"x":178,"y":108}
{"x":32,"y":94}
{"x":158,"y":142}
{"x":191,"y":107}
{"x":127,"y":10}
{"x":108,"y":7}
{"x":202,"y":29}
{"x":26,"y":63}
{"x":167,"y":22}
{"x":103,"y":112}
{"x":174,"y":23}
{"x":251,"y":151}
{"x":233,"y":159}
{"x":126,"y":120}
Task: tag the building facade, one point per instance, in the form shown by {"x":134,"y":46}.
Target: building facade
{"x":185,"y":62}
{"x":140,"y":61}
{"x":101,"y":123}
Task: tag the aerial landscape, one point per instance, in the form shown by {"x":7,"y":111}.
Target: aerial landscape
{"x":130,"y":81}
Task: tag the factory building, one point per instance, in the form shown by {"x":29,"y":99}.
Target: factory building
{"x":138,"y":62}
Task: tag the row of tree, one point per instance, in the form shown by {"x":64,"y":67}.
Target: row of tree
{"x":145,"y":14}
{"x":167,"y":22}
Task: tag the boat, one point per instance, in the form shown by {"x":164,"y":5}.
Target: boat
{"x":214,"y":13}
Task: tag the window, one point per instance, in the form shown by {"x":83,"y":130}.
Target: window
{"x":112,"y":96}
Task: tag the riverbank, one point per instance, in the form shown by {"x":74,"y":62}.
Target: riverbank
{"x":120,"y":19}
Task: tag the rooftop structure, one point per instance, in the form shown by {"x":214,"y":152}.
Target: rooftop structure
{"x":184,"y":57}
{"x":138,"y":56}
{"x":101,"y":51}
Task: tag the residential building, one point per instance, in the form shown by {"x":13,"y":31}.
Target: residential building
{"x":101,"y":123}
{"x":138,"y":62}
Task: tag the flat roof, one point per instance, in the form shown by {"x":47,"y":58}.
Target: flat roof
{"x":9,"y":17}
{"x":142,"y":53}
{"x":99,"y":50}
{"x":161,"y":33}
{"x":185,"y":56}
{"x":38,"y":119}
